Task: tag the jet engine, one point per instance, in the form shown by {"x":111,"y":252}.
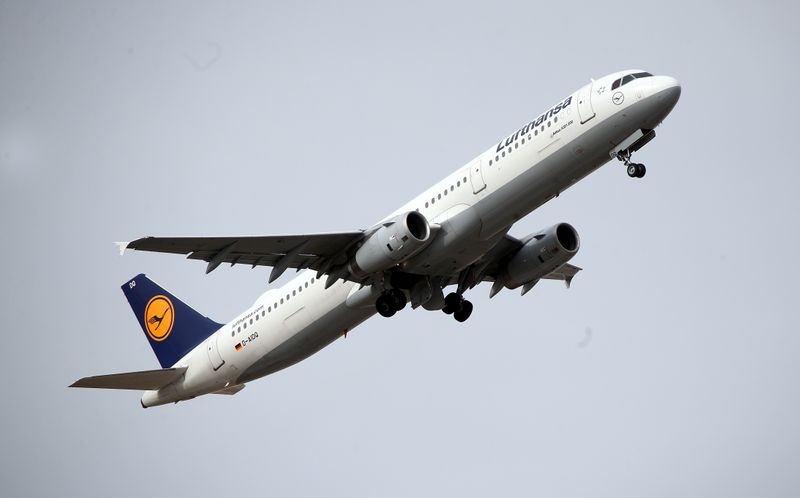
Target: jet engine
{"x":395,"y":241}
{"x":541,"y":254}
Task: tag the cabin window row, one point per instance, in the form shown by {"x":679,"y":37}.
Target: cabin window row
{"x":535,"y":133}
{"x":274,"y":305}
{"x":452,"y":188}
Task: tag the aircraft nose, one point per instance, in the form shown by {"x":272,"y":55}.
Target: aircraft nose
{"x":669,"y":91}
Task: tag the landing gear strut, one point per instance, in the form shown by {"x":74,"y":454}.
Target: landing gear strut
{"x":390,"y":302}
{"x":456,"y":305}
{"x":635,"y":170}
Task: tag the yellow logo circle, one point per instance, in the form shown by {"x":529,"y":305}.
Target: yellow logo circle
{"x":159,"y":315}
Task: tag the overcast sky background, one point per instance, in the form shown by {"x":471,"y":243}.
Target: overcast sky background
{"x":669,"y":369}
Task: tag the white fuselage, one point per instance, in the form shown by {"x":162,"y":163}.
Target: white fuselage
{"x":475,"y":206}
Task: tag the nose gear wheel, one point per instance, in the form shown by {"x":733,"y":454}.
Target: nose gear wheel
{"x":635,"y":170}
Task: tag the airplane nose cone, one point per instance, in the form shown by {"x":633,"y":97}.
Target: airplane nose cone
{"x":671,"y":90}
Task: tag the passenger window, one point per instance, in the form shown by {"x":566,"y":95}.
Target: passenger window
{"x":439,"y":197}
{"x":504,"y":153}
{"x":245,"y":325}
{"x":490,"y":162}
{"x":281,"y":300}
{"x":451,"y":188}
{"x":465,"y":180}
{"x":426,"y":204}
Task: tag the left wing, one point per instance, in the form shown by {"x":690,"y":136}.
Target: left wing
{"x":489,"y":268}
{"x":320,"y":251}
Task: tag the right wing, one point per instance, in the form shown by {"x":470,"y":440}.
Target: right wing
{"x":148,"y":380}
{"x":320,"y":251}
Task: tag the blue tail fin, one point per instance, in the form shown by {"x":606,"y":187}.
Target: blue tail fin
{"x":172,"y":328}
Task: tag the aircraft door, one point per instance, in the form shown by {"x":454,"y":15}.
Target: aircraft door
{"x":585,"y":109}
{"x":214,"y":355}
{"x":476,"y":176}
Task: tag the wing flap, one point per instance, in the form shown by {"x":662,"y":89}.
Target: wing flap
{"x":231,"y":390}
{"x":565,"y":272}
{"x":147,"y":380}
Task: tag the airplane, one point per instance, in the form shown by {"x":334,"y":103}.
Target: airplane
{"x":454,"y":234}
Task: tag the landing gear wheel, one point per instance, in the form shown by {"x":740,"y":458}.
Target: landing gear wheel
{"x":397,"y":299}
{"x":384,"y":306}
{"x":464,"y":313}
{"x":452,"y":303}
{"x":635,"y":170}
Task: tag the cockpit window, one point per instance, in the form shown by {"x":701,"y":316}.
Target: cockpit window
{"x":627,"y":79}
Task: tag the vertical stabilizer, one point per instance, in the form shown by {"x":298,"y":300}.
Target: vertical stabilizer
{"x":172,"y":327}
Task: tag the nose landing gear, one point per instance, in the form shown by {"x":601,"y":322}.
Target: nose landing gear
{"x":456,"y":305}
{"x":623,"y":151}
{"x":635,"y":170}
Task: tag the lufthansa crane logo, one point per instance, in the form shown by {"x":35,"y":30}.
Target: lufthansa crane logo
{"x":159,"y":315}
{"x":618,"y":98}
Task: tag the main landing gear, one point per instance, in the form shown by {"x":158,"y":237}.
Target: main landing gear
{"x":393,"y":300}
{"x":635,"y":170}
{"x":390,"y":302}
{"x":456,"y":305}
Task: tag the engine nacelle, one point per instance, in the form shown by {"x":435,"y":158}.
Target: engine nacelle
{"x":397,"y":240}
{"x":543,"y":253}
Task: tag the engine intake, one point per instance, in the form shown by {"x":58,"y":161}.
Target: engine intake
{"x":395,"y":241}
{"x":543,"y":253}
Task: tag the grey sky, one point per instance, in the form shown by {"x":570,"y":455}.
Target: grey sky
{"x":119,"y":120}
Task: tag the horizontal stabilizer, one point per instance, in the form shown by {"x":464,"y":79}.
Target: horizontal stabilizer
{"x":148,"y":380}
